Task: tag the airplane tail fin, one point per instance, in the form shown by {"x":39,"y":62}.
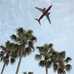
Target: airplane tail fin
{"x":38,"y":21}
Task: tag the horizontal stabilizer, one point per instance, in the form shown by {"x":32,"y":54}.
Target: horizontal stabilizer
{"x":38,"y":20}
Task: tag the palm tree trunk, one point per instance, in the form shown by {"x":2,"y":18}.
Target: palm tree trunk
{"x":20,"y":58}
{"x":18,"y":66}
{"x":3,"y":68}
{"x":46,"y":69}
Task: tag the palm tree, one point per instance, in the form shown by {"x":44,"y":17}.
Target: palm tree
{"x":24,"y":42}
{"x":49,"y":57}
{"x":4,"y":55}
{"x":44,"y":56}
{"x":61,"y":63}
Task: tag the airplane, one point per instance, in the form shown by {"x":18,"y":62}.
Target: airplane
{"x":45,"y":13}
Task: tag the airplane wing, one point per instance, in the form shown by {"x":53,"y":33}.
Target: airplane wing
{"x":48,"y":19}
{"x":39,"y":9}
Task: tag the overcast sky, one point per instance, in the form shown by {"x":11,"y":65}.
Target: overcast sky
{"x":21,"y":13}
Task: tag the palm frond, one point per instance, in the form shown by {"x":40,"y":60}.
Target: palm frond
{"x":68,"y":67}
{"x":2,"y":47}
{"x":13,"y":37}
{"x":49,"y":63}
{"x":60,"y":71}
{"x":40,"y":49}
{"x":31,"y":45}
{"x":38,"y":56}
{"x":6,"y":60}
{"x":42,"y":63}
{"x":27,"y":51}
{"x":29,"y":31}
{"x":62,"y":54}
{"x":12,"y":60}
{"x":14,"y":54}
{"x":20,"y":30}
{"x":67,"y":59}
{"x":50,"y":45}
{"x":1,"y":53}
{"x":55,"y":66}
{"x":33,"y":38}
{"x":46,"y":47}
{"x":29,"y":34}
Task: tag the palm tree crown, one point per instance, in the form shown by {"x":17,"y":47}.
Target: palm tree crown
{"x":23,"y":42}
{"x":49,"y":57}
{"x":61,"y":63}
{"x":45,"y":53}
{"x":5,"y":54}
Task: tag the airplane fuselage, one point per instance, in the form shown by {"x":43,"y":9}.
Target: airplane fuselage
{"x":46,"y":10}
{"x":44,"y":14}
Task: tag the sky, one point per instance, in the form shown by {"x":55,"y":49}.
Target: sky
{"x":22,"y":13}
